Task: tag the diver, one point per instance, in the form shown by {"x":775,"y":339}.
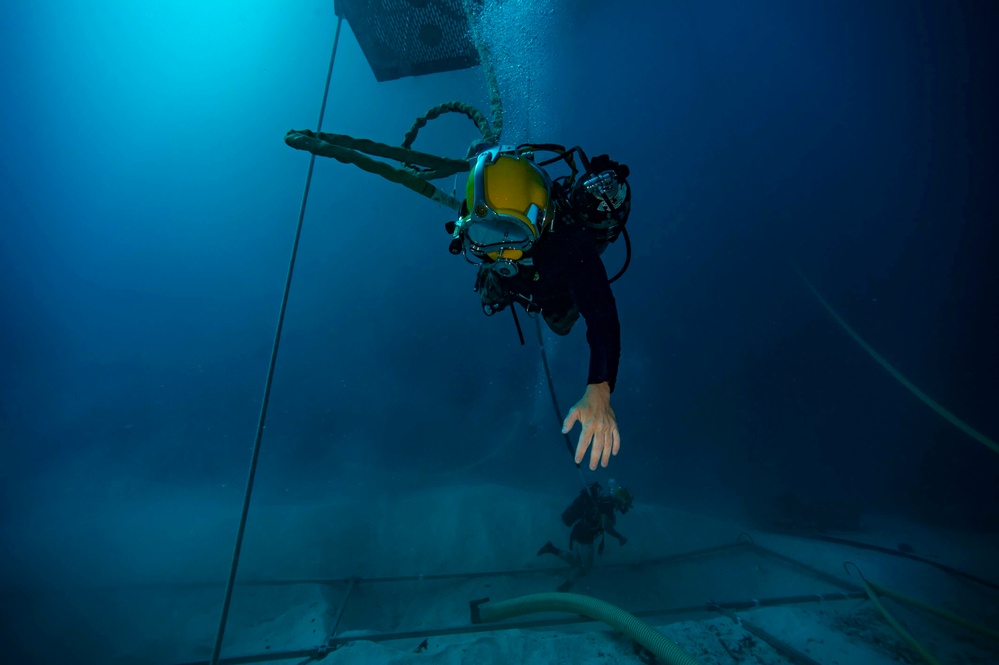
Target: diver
{"x":591,"y":514}
{"x":537,"y":241}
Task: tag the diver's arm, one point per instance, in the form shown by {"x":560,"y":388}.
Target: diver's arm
{"x":612,"y":531}
{"x":609,"y":521}
{"x":591,"y":292}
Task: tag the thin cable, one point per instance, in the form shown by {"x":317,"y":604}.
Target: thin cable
{"x":558,"y":410}
{"x":230,"y":583}
{"x":516,"y":322}
{"x":551,"y":387}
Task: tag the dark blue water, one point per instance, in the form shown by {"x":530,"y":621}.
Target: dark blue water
{"x":149,"y":205}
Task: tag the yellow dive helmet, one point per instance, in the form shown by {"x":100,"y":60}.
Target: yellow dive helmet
{"x":508,"y":203}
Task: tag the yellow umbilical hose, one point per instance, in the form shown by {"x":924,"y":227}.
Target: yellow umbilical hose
{"x":574,"y":603}
{"x":938,"y":611}
{"x":874,"y":590}
{"x":899,"y":628}
{"x":926,"y":399}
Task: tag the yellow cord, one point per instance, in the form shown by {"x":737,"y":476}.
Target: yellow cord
{"x":926,"y":399}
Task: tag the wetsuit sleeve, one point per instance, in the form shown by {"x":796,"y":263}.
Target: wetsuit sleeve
{"x":588,"y":286}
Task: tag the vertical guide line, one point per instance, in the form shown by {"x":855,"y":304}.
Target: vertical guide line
{"x":230,"y":583}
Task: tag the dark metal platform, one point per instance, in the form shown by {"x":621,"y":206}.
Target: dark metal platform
{"x":410,"y":37}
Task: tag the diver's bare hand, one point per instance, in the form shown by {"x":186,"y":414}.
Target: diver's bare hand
{"x":596,"y":416}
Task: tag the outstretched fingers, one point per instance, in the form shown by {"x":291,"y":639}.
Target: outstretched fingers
{"x":608,"y":449}
{"x":585,"y":439}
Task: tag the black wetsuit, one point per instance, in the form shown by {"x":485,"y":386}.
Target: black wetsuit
{"x":571,"y":275}
{"x":594,"y":521}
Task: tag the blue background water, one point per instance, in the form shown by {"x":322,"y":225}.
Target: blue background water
{"x":149,"y":203}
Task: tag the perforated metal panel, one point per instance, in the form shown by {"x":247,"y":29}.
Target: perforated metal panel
{"x":410,"y":37}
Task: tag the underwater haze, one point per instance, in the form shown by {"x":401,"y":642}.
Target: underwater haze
{"x":149,"y":207}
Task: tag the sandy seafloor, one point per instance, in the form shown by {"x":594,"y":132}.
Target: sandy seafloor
{"x":394,"y":563}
